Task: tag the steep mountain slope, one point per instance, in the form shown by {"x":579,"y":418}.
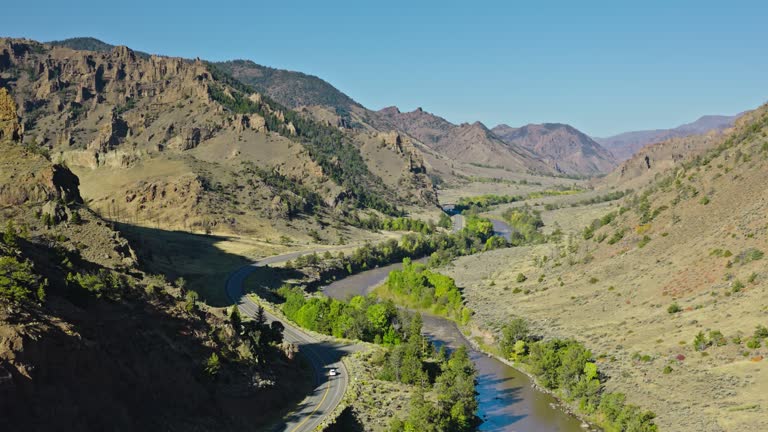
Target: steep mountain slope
{"x":570,"y":150}
{"x":624,"y":145}
{"x":668,"y":288}
{"x":182,"y":144}
{"x":468,"y":143}
{"x":88,"y":341}
{"x":289,"y":88}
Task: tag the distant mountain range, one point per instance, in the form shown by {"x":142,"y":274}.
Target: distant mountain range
{"x":626,"y":144}
{"x":549,"y":148}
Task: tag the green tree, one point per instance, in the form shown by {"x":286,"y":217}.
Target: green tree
{"x":18,"y":281}
{"x":445,"y":221}
{"x":235,"y":319}
{"x":10,"y":236}
{"x":512,"y":332}
{"x":212,"y":365}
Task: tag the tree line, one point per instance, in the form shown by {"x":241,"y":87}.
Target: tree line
{"x":568,"y":368}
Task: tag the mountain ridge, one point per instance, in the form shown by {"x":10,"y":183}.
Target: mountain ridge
{"x":625,"y":144}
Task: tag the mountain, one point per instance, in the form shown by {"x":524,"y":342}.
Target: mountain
{"x":88,"y":44}
{"x":90,"y":340}
{"x":289,"y":88}
{"x":179,"y":143}
{"x":469,"y":143}
{"x":626,"y":144}
{"x":568,"y":149}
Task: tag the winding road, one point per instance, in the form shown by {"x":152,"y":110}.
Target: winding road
{"x":322,"y":355}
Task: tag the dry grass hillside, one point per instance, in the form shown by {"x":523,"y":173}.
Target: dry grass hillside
{"x":682,"y":257}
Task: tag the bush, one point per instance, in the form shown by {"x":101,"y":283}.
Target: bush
{"x":674,"y":308}
{"x":521,"y":278}
{"x":761,"y":332}
{"x":616,"y":237}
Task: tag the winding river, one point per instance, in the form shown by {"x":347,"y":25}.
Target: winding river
{"x":507,"y":399}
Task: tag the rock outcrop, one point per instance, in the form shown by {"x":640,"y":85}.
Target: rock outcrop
{"x":10,"y":129}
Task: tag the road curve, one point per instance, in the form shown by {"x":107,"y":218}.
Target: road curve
{"x":320,"y":354}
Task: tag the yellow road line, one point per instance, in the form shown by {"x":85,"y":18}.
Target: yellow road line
{"x":327,"y":389}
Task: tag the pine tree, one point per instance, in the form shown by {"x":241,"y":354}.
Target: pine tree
{"x":235,"y":319}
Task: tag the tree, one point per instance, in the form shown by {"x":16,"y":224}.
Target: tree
{"x":514,"y":331}
{"x":212,"y":365}
{"x":191,"y":301}
{"x":445,"y":221}
{"x":235,"y":319}
{"x":10,"y":236}
{"x":18,"y":281}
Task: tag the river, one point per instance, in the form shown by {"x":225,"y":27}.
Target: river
{"x":507,"y":400}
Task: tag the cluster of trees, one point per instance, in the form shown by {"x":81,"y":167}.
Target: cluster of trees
{"x":376,"y":223}
{"x":610,"y":196}
{"x":416,"y":362}
{"x":410,"y":358}
{"x":483,"y":202}
{"x":19,"y":284}
{"x":566,"y":367}
{"x":362,"y":318}
{"x":416,"y":287}
{"x":442,"y":247}
{"x":326,"y":145}
{"x":525,"y":223}
{"x":456,"y":399}
{"x":256,"y":335}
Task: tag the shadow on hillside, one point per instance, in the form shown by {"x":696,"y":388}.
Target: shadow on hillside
{"x":121,"y":363}
{"x":194,"y":257}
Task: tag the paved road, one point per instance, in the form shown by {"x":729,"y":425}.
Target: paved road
{"x":321,"y":355}
{"x":458,"y":222}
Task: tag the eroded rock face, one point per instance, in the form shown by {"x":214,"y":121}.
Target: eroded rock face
{"x":10,"y":129}
{"x":52,"y":183}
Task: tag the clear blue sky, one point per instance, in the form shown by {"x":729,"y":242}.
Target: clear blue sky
{"x":604,"y":67}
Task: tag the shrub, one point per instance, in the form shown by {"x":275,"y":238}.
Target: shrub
{"x":753,"y":343}
{"x":644,"y":241}
{"x":737,"y":286}
{"x":674,"y":308}
{"x":593,"y":280}
{"x":761,"y":332}
{"x":700,"y":342}
{"x":716,"y":338}
{"x":667,"y":370}
{"x":616,"y":237}
{"x":521,"y":278}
